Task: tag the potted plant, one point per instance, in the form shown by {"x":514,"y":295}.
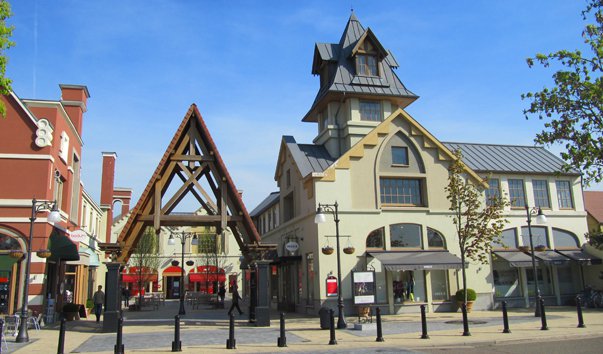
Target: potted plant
{"x":471,"y":297}
{"x":89,"y":305}
{"x":327,"y":250}
{"x":71,"y":311}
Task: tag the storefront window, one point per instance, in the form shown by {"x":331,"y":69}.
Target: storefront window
{"x":405,"y":235}
{"x":567,"y":281}
{"x":310,"y":279}
{"x":439,"y":285}
{"x":544,"y":281}
{"x":506,"y":279}
{"x":408,"y":286}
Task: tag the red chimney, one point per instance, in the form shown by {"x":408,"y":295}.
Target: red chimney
{"x":107,"y":183}
{"x":73,"y":99}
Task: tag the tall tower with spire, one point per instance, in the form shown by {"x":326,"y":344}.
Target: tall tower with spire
{"x":358,"y":88}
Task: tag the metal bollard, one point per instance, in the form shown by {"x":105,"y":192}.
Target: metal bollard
{"x":61,"y":348}
{"x":424,"y":334}
{"x":379,"y":328}
{"x":282,"y":340}
{"x":1,"y":333}
{"x":505,"y":318}
{"x":579,"y":309}
{"x":465,"y":320}
{"x":231,"y":342}
{"x":333,"y":341}
{"x":176,"y":344}
{"x":543,"y":316}
{"x":119,"y":347}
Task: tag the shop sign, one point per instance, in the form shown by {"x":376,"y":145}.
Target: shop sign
{"x":292,"y":246}
{"x":331,"y":286}
{"x":78,"y":236}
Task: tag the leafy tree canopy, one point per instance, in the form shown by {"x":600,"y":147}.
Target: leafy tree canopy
{"x":574,"y":105}
{"x":5,"y":33}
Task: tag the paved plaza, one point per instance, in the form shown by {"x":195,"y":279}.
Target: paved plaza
{"x":204,"y":329}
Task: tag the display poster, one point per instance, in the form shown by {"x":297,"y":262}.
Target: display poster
{"x":363,"y":288}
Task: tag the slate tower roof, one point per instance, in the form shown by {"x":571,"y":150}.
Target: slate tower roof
{"x":336,"y":64}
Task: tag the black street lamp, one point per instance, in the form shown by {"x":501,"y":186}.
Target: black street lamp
{"x":171,"y":241}
{"x":54,"y":216}
{"x":540,"y":219}
{"x":319,"y":219}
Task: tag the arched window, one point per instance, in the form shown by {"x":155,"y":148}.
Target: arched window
{"x":375,"y":239}
{"x":435,"y":239}
{"x":507,"y":239}
{"x":539,"y":236}
{"x":564,"y":239}
{"x":8,"y":243}
{"x":405,"y":235}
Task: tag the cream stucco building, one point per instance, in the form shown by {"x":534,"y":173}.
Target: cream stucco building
{"x":387,"y":174}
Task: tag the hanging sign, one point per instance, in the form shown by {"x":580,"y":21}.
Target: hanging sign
{"x":331,"y":286}
{"x":363,"y":287}
{"x":78,"y":236}
{"x":292,"y":246}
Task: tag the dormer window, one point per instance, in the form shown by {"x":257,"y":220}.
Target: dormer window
{"x":366,"y":60}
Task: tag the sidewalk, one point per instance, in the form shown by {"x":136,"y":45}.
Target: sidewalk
{"x":152,"y":331}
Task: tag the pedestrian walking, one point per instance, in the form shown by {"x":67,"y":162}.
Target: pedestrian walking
{"x":99,"y":301}
{"x":235,"y":300}
{"x":125,"y":293}
{"x":222,"y":293}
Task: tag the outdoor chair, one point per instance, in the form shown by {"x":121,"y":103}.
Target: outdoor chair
{"x":11,"y":325}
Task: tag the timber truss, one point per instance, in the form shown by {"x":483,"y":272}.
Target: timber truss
{"x":192,"y":158}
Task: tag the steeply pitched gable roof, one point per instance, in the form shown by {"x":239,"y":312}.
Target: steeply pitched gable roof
{"x":509,"y":158}
{"x":190,"y":156}
{"x":269,"y":201}
{"x":342,"y":75}
{"x":308,"y":158}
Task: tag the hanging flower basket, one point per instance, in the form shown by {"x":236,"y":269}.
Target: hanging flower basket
{"x":540,"y":248}
{"x":44,"y":253}
{"x":327,"y":250}
{"x":175,"y":263}
{"x":349,"y":250}
{"x":523,"y":248}
{"x":17,"y":254}
{"x":190,"y":263}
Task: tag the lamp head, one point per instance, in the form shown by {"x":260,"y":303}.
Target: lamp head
{"x":320,"y":216}
{"x":171,"y":240}
{"x":540,"y":217}
{"x":54,"y":215}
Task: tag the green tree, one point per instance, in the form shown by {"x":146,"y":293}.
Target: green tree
{"x":145,"y":258}
{"x":5,"y":33}
{"x":574,"y":105}
{"x":477,"y":223}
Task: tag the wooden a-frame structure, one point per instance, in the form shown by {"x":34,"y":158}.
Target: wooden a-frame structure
{"x":191,"y":156}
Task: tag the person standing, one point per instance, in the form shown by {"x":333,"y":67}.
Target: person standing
{"x":99,"y":301}
{"x":235,"y":300}
{"x":222,"y":294}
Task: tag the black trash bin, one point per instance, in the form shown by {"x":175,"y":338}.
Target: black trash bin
{"x":325,"y":318}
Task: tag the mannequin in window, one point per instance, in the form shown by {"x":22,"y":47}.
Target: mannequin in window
{"x":410,"y":286}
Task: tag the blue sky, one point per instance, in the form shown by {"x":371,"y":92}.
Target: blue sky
{"x":247,"y":65}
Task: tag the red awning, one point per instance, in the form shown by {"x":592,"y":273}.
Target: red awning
{"x":205,"y":277}
{"x":172,"y":271}
{"x":133,"y":278}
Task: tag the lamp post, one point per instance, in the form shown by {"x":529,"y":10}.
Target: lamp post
{"x":319,"y":219}
{"x":171,"y":241}
{"x":540,"y":219}
{"x":54,"y":216}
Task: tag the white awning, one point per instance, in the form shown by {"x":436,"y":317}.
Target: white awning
{"x":417,"y":260}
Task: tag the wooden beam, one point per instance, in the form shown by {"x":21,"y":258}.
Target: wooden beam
{"x":157,"y":204}
{"x":195,"y":181}
{"x":198,"y":158}
{"x":191,"y":217}
{"x":181,"y":192}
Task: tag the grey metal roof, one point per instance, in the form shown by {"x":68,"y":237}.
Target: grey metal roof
{"x":509,"y":158}
{"x":265,"y":204}
{"x":343,"y":68}
{"x":308,"y":157}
